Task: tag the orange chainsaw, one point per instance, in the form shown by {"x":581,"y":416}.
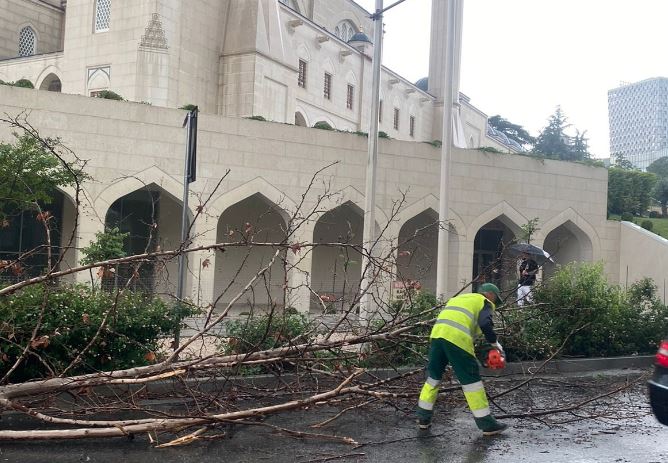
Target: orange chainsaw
{"x":495,"y":360}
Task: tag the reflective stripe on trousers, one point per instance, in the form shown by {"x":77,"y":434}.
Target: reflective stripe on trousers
{"x":477,"y":399}
{"x":428,"y":394}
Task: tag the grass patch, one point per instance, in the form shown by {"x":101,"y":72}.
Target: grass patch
{"x":660,"y":226}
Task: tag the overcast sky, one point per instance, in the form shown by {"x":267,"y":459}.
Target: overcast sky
{"x":522,"y":58}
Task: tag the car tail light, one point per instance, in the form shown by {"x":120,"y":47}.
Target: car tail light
{"x":662,"y":354}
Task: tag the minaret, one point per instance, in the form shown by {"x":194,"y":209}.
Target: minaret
{"x":437,"y":48}
{"x":437,"y":57}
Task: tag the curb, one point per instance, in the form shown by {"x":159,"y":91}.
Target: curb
{"x":567,"y":366}
{"x":554,"y":367}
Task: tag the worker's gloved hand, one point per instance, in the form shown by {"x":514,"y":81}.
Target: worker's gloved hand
{"x":497,"y":345}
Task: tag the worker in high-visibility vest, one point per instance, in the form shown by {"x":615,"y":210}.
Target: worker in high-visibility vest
{"x":451,"y":341}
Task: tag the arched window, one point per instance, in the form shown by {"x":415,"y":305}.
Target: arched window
{"x":27,"y":41}
{"x":345,"y":30}
{"x":102,"y":15}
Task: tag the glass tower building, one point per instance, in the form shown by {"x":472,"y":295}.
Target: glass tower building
{"x":638,"y":117}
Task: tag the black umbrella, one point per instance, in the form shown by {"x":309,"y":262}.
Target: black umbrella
{"x":526,"y":248}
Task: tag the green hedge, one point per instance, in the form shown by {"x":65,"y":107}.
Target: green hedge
{"x":399,"y":352}
{"x":616,"y":322}
{"x":267,"y":331}
{"x":72,"y":318}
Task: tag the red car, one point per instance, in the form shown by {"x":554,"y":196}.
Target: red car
{"x":658,"y":385}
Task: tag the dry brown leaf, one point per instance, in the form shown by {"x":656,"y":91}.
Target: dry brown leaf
{"x":40,"y":342}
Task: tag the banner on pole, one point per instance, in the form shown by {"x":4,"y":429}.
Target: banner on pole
{"x":191,"y":123}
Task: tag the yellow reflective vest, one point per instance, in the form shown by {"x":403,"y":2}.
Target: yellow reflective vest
{"x":458,"y":321}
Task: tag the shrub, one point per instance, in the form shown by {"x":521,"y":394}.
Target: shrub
{"x":107,"y":245}
{"x":647,"y":224}
{"x":322,"y":125}
{"x":109,"y":95}
{"x":489,"y":149}
{"x":72,"y":318}
{"x":188,"y":107}
{"x":382,"y":134}
{"x":627,"y":217}
{"x":257,"y":118}
{"x":655,"y":215}
{"x":398,"y":352}
{"x":23,"y":83}
{"x":579,"y":309}
{"x":267,"y":331}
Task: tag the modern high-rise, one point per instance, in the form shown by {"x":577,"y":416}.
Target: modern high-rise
{"x":638,"y":117}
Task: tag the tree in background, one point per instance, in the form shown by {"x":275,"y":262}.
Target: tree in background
{"x":660,"y":195}
{"x":659,"y":167}
{"x":629,"y":191}
{"x":513,"y":131}
{"x":30,"y":174}
{"x":622,"y":163}
{"x":553,"y":140}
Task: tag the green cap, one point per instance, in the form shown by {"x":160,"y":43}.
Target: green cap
{"x":491,"y":288}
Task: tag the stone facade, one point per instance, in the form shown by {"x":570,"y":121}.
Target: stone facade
{"x":235,"y":58}
{"x":46,"y":18}
{"x":130,"y":146}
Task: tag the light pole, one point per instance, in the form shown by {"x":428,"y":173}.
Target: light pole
{"x":369,"y":235}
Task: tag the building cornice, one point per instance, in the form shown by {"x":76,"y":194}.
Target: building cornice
{"x":351,"y":48}
{"x":255,"y":51}
{"x":37,"y":57}
{"x":48,"y":5}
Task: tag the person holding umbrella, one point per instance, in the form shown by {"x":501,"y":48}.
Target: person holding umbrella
{"x":527,"y":277}
{"x":528,"y":268}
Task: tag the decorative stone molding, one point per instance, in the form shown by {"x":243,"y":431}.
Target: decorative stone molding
{"x":343,"y":54}
{"x":154,"y":34}
{"x":320,"y":39}
{"x":294,"y":24}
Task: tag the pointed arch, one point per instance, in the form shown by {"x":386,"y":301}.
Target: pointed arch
{"x":27,"y":40}
{"x":284,"y":204}
{"x":325,"y":119}
{"x":48,"y":78}
{"x":351,"y":78}
{"x":137,"y":181}
{"x":429,"y":202}
{"x":301,"y":117}
{"x":577,"y":224}
{"x":303,"y":52}
{"x":349,"y":194}
{"x":503,"y":211}
{"x":328,"y":67}
{"x":354,"y":18}
{"x":263,"y":208}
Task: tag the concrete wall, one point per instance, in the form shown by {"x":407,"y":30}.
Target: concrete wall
{"x":642,"y":254}
{"x":130,"y":144}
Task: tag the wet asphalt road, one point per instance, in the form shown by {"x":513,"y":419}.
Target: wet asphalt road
{"x":390,"y":436}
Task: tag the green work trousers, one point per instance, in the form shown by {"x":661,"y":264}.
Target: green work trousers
{"x":465,"y":366}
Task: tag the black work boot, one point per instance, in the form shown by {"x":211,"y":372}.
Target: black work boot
{"x":489,"y":426}
{"x":424,"y":423}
